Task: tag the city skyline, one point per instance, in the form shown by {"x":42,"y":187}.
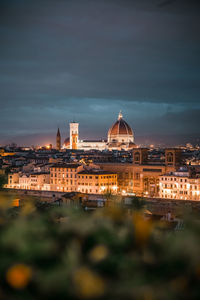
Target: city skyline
{"x":87,"y":60}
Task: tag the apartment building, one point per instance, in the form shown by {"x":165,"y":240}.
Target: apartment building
{"x":179,"y":185}
{"x":97,"y":182}
{"x":33,"y":181}
{"x":63,"y":177}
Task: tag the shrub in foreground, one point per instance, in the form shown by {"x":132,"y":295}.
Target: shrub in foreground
{"x":67,"y":254}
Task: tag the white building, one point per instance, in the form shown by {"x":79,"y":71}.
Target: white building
{"x":179,"y":185}
{"x":120,"y":136}
{"x":33,"y":181}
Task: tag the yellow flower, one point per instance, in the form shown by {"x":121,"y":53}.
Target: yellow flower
{"x":18,"y":276}
{"x":88,"y":285}
{"x":143,"y":229}
{"x":98,"y":253}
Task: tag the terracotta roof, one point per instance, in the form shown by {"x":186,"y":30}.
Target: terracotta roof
{"x":66,"y":141}
{"x":66,"y":166}
{"x":96,"y":172}
{"x":120,"y":127}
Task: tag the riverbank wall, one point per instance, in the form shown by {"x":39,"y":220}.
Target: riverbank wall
{"x":37,"y":193}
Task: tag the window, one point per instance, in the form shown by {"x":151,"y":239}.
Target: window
{"x":137,"y":157}
{"x":137,"y":176}
{"x":170,"y":157}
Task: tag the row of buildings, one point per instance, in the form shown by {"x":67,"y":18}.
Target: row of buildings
{"x":163,"y":178}
{"x":68,"y":177}
{"x":116,"y":165}
{"x":120,"y":136}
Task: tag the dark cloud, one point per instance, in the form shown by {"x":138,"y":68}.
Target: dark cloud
{"x":91,"y":58}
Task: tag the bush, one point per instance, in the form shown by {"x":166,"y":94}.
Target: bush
{"x":51,"y":253}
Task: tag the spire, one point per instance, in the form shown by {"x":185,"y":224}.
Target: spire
{"x":120,"y":116}
{"x":58,"y":140}
{"x":58,"y":132}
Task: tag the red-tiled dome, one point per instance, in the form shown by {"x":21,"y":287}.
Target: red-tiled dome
{"x":66,"y":142}
{"x":120,"y":128}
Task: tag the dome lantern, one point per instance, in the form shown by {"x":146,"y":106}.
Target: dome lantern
{"x":120,"y":116}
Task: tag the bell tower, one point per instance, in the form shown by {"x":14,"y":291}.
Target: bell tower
{"x":74,"y":135}
{"x":58,"y":140}
{"x":140,"y":156}
{"x":173,"y":157}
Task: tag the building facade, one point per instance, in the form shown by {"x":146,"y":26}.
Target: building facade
{"x":31,"y":181}
{"x":180,"y":186}
{"x":120,"y":136}
{"x":63,"y":177}
{"x":97,"y":182}
{"x":141,"y":177}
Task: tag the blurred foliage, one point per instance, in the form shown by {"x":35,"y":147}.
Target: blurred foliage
{"x":138,"y":203}
{"x":57,"y":253}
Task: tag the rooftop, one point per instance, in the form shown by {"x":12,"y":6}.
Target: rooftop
{"x":66,"y":166}
{"x":96,"y":172}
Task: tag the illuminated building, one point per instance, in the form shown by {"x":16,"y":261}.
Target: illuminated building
{"x":74,"y":135}
{"x":63,"y":177}
{"x":120,"y":136}
{"x":13,"y":181}
{"x":74,"y":178}
{"x":141,"y":177}
{"x":97,"y":182}
{"x":33,"y":181}
{"x":179,"y":185}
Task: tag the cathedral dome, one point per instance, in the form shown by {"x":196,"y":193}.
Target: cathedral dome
{"x":120,"y":132}
{"x":66,"y":143}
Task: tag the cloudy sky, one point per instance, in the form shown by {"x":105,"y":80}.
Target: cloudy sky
{"x":84,"y":60}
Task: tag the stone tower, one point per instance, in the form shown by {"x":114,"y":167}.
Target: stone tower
{"x":74,"y":135}
{"x":173,"y":157}
{"x":58,"y":140}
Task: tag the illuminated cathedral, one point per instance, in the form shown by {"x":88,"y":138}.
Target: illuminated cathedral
{"x":120,"y":137}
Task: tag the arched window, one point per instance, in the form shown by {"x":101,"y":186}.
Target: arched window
{"x":170,"y":157}
{"x":137,"y":157}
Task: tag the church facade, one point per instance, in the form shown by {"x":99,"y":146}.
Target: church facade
{"x":120,"y":137}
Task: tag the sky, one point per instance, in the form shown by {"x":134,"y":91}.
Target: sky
{"x":85,"y":60}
